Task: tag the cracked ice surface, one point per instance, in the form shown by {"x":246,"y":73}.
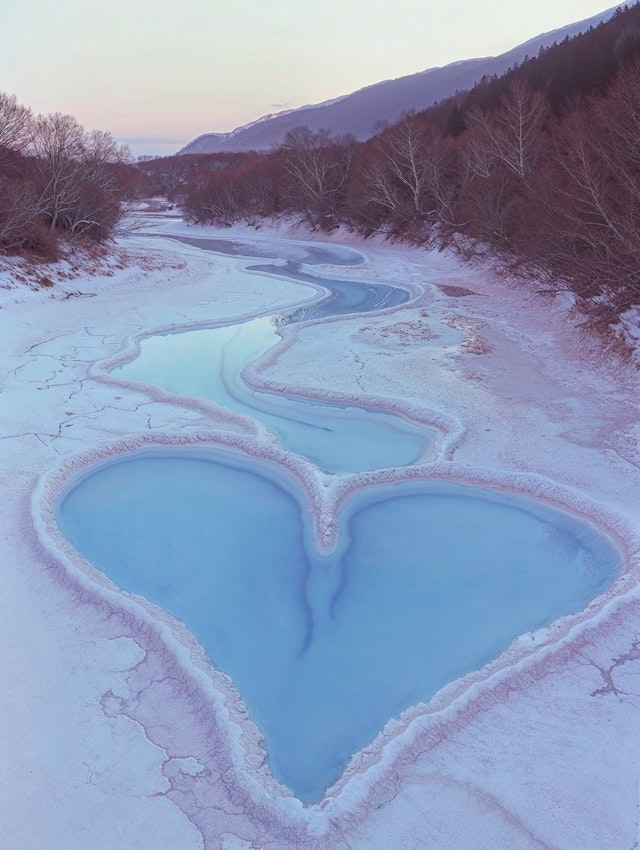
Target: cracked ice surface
{"x":112,"y":736}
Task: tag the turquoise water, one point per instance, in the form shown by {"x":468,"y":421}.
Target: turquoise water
{"x":208,"y":364}
{"x":337,"y":438}
{"x":430,"y":581}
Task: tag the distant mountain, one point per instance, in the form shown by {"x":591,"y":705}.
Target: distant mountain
{"x":218,"y":142}
{"x":358,"y":113}
{"x":213,"y":142}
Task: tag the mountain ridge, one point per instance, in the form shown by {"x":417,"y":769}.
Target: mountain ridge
{"x":359,"y":112}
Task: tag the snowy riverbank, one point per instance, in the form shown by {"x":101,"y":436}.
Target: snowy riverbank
{"x":108,"y":740}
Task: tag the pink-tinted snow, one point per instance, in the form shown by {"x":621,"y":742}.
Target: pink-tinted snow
{"x":117,"y":732}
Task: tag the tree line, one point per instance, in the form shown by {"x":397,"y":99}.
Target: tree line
{"x":57,"y":181}
{"x":539,"y":168}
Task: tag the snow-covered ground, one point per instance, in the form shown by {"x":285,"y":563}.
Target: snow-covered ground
{"x":113,"y":732}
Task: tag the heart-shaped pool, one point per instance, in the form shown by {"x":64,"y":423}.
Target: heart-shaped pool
{"x":430,"y":580}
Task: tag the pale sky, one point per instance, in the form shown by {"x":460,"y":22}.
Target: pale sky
{"x":162,"y":72}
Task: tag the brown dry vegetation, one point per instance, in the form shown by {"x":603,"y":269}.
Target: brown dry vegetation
{"x":538,"y":170}
{"x":58,"y":182}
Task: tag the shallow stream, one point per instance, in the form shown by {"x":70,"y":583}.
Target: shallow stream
{"x":208,"y":363}
{"x":430,"y":580}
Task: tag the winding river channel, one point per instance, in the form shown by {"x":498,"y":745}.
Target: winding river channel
{"x":208,"y":363}
{"x":429,"y":579}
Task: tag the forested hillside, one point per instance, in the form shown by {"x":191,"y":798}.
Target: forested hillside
{"x":539,"y":168}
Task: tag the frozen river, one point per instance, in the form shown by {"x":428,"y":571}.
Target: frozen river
{"x":428,"y":580}
{"x":209,"y":363}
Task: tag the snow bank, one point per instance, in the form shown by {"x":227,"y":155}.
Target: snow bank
{"x":166,"y":756}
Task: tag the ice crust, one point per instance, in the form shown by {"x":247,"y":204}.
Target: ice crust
{"x":118,"y":732}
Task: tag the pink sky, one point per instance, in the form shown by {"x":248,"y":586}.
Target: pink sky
{"x":163,"y":72}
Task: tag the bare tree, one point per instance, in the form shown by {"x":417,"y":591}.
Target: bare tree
{"x":509,"y":135}
{"x":76,"y":175}
{"x":18,"y":222}
{"x":317,"y":166}
{"x":101,"y":190}
{"x":15,"y":125}
{"x":592,"y":225}
{"x":56,"y":148}
{"x":407,"y":179}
